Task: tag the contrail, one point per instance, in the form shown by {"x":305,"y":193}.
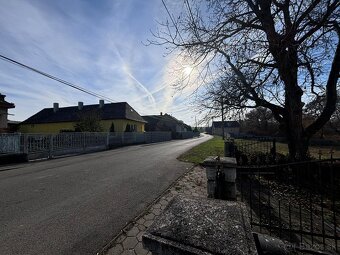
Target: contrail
{"x":140,"y":85}
{"x":149,"y":95}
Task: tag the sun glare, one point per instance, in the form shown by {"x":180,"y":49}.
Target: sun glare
{"x":187,"y":70}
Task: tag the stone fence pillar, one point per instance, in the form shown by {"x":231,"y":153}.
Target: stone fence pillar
{"x":229,"y":147}
{"x":221,"y":177}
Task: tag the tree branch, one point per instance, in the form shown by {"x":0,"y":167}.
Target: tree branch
{"x":319,"y":23}
{"x":331,"y":94}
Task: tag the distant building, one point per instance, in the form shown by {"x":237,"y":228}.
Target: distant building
{"x":4,"y":106}
{"x":114,"y":117}
{"x":230,"y":127}
{"x":165,"y":122}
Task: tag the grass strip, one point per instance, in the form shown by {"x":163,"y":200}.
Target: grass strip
{"x":215,"y":147}
{"x":196,"y":155}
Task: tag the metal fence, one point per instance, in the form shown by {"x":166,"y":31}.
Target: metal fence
{"x":50,"y":145}
{"x":249,"y":145}
{"x":9,"y":143}
{"x":297,"y":202}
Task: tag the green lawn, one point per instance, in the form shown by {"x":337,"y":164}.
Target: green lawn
{"x":213,"y":147}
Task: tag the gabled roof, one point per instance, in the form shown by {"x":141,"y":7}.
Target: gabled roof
{"x":230,"y":124}
{"x":153,"y":119}
{"x":168,"y":120}
{"x":70,"y":114}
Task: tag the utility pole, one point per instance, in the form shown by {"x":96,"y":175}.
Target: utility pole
{"x":222,"y":107}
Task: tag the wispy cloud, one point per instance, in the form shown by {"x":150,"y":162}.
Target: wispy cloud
{"x":97,"y":45}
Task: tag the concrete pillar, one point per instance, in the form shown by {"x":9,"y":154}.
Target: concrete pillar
{"x":229,"y":148}
{"x":221,"y":177}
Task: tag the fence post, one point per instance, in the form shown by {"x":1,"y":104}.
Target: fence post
{"x":221,"y":177}
{"x":50,"y":147}
{"x":25,"y":149}
{"x":273,"y":150}
{"x":229,"y":148}
{"x":84,"y":143}
{"x":108,"y":140}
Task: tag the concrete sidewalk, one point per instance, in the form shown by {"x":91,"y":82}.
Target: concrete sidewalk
{"x":129,"y":241}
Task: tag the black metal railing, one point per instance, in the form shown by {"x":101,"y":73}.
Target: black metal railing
{"x":297,"y":202}
{"x":248,"y":145}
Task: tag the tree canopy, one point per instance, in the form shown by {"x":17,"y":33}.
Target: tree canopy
{"x":276,"y":54}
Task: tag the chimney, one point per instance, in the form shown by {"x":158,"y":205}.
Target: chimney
{"x":55,"y":107}
{"x":101,"y":103}
{"x":161,"y":113}
{"x":80,"y":105}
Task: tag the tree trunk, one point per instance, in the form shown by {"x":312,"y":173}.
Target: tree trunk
{"x":297,"y":141}
{"x":297,"y":145}
{"x":222,"y":119}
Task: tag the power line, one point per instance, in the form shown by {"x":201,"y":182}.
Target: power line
{"x":12,"y":61}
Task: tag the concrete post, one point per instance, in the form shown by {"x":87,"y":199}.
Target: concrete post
{"x":25,"y":149}
{"x":84,"y":142}
{"x":217,"y":168}
{"x":108,"y":140}
{"x":50,"y":148}
{"x":229,"y":148}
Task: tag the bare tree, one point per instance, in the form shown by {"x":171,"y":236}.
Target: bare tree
{"x":223,"y":93}
{"x":314,"y":108}
{"x":282,"y":52}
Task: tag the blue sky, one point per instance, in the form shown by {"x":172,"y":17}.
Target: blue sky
{"x":95,"y":44}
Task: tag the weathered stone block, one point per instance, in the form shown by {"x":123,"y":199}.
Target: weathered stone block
{"x":201,"y":226}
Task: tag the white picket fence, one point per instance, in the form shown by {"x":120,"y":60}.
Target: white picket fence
{"x":9,"y":143}
{"x":50,"y":145}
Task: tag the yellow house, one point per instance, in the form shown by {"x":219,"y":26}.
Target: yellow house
{"x":118,"y":116}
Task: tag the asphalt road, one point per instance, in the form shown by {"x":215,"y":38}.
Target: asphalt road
{"x":76,"y":205}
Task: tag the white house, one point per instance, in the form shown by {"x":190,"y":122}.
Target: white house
{"x":230,"y":127}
